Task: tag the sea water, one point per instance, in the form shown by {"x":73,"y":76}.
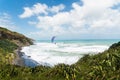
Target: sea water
{"x":62,"y":51}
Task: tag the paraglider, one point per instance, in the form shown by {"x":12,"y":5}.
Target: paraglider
{"x":53,"y":38}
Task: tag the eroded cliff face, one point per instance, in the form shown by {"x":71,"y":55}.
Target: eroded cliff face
{"x":14,"y":37}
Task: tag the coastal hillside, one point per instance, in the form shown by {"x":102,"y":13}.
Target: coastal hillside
{"x":9,"y":42}
{"x":101,"y":66}
{"x":14,"y":37}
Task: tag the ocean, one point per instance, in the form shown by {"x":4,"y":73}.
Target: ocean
{"x":63,"y":51}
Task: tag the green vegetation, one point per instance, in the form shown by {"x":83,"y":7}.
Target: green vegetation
{"x":7,"y":51}
{"x":14,"y":37}
{"x":102,"y":66}
{"x":7,"y":46}
{"x":9,"y":42}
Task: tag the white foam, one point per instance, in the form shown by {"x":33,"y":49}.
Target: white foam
{"x":53,"y":54}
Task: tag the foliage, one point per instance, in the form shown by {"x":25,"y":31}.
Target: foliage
{"x":15,"y":37}
{"x":7,"y":46}
{"x":102,"y":66}
{"x":7,"y":51}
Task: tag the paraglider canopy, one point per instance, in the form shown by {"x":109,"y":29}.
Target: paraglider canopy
{"x":53,"y":38}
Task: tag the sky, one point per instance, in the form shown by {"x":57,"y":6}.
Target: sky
{"x":66,"y":19}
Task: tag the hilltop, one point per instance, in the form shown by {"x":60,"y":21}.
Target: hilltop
{"x":14,"y":37}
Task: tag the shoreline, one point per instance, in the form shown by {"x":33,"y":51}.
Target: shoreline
{"x":18,"y":58}
{"x":21,"y":59}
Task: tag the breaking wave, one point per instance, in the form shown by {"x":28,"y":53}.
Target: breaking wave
{"x":49,"y":54}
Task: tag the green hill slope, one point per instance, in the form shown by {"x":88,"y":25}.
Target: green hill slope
{"x":9,"y":42}
{"x":14,"y":37}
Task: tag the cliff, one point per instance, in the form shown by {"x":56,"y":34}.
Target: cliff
{"x":10,"y":43}
{"x":17,"y":38}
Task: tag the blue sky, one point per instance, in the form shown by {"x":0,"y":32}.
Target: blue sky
{"x":66,"y":19}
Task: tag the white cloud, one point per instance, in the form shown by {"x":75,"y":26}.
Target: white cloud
{"x":39,"y":8}
{"x":6,"y":22}
{"x":56,"y":9}
{"x":35,"y":10}
{"x":95,"y":17}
